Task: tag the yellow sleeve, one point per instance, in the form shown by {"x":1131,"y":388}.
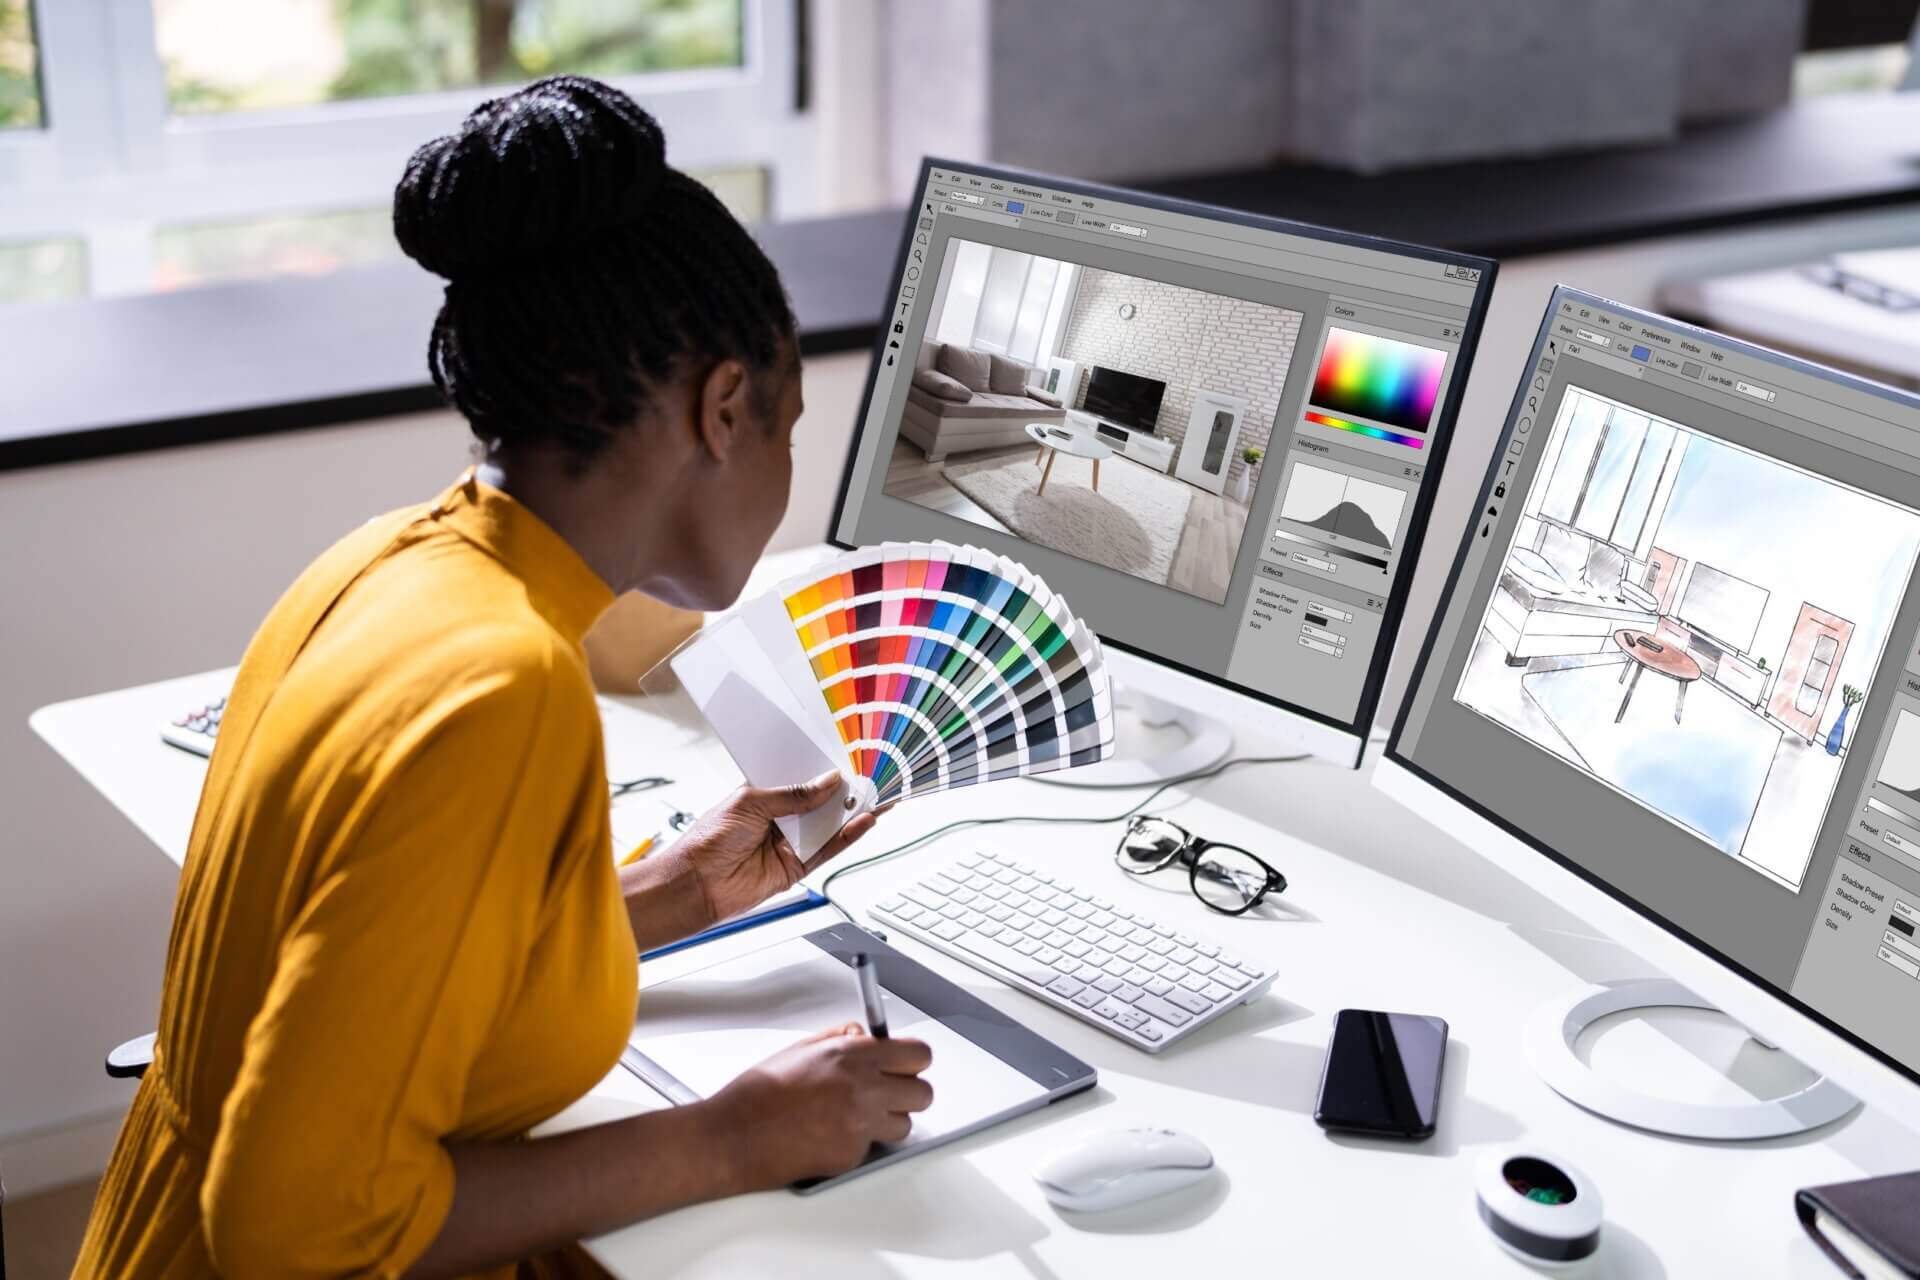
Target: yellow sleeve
{"x":414,"y":935}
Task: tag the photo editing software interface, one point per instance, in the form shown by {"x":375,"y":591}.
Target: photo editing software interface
{"x":1210,"y":435}
{"x":1682,"y":651}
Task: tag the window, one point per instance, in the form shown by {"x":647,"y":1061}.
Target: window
{"x":219,"y":55}
{"x":19,"y":67}
{"x":164,"y":144}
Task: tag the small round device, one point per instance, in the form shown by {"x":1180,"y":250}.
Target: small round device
{"x":1539,"y":1207}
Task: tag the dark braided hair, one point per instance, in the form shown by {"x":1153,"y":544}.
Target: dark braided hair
{"x":580,"y":266}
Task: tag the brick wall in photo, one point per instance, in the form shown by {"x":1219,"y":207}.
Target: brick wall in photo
{"x":1191,"y":341}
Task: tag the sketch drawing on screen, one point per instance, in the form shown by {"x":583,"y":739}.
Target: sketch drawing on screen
{"x":1678,"y":618}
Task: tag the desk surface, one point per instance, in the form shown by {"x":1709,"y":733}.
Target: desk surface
{"x":1382,"y":912}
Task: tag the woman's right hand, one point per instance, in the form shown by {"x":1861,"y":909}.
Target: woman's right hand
{"x":816,"y":1108}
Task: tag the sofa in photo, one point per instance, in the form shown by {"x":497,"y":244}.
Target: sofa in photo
{"x":962,"y":400}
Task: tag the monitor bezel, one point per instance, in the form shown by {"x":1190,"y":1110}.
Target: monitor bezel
{"x":1395,"y":739}
{"x":1440,"y":439}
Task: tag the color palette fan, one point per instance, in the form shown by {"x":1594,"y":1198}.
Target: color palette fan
{"x":908,"y":667}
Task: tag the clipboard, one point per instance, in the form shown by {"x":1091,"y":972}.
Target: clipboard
{"x":699,"y":1030}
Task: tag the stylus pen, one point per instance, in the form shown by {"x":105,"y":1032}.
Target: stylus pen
{"x":864,"y":974}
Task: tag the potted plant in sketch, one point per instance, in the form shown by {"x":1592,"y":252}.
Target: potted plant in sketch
{"x":1837,"y":736}
{"x":1243,"y":486}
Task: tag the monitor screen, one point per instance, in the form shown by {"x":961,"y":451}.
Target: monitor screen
{"x":1300,"y":385}
{"x":1724,"y":733}
{"x":1125,"y":398}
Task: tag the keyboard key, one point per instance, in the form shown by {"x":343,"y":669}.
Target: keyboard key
{"x":1127,"y":992}
{"x":1054,"y":916}
{"x":1200,"y":964}
{"x":1232,"y":978}
{"x":1079,"y":911}
{"x":1176,"y":973}
{"x":1194,"y":982}
{"x":1082,"y":895}
{"x":1182,"y":955}
{"x":1098,"y":937}
{"x":1068,"y":924}
{"x":1187,"y":1000}
{"x":1020,"y":922}
{"x":971,"y":860}
{"x":1132,"y":953}
{"x":948,"y":930}
{"x":941,"y":885}
{"x":1152,"y":964}
{"x":1086,"y":972}
{"x":1131,"y":1018}
{"x":995,"y":891}
{"x":1137,"y":976}
{"x":1018,"y":901}
{"x":1006,"y":958}
{"x":1184,"y":940}
{"x":1088,"y":998}
{"x":1048,"y":956}
{"x":952,"y":910}
{"x":1160,"y":946}
{"x":1098,"y":958}
{"x":1158,"y":986}
{"x":1101,"y":919}
{"x":1066,"y":987}
{"x":1208,"y":950}
{"x":972,"y":919}
{"x":1150,"y":1031}
{"x":1170,"y":1014}
{"x":1107,"y":982}
{"x":1110,"y":1009}
{"x":1103,"y":904}
{"x":1076,"y":948}
{"x":926,"y":897}
{"x":1026,"y":946}
{"x":891,"y":904}
{"x":1215,"y":992}
{"x":989,"y":929}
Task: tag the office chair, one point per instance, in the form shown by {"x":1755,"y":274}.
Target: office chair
{"x":130,"y":1061}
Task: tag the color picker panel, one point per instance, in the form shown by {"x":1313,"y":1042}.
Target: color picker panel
{"x":1363,"y":429}
{"x":1393,"y":383}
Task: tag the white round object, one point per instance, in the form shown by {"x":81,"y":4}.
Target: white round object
{"x":1539,"y":1206}
{"x":1553,"y":1032}
{"x":1122,"y":1167}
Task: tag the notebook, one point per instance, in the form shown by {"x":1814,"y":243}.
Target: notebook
{"x":1869,"y":1228}
{"x":698,"y":1031}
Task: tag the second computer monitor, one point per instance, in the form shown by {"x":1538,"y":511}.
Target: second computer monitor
{"x":1216,"y":435}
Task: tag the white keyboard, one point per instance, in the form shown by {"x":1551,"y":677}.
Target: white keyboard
{"x":1146,"y":983}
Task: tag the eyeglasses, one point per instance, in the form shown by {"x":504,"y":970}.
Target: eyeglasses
{"x":1224,"y":876}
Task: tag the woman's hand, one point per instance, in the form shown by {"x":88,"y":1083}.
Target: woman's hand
{"x":739,"y":856}
{"x":815,"y":1109}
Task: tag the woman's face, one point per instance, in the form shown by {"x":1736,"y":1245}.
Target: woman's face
{"x":744,"y":493}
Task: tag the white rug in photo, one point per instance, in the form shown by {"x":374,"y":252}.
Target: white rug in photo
{"x":1133,"y":524}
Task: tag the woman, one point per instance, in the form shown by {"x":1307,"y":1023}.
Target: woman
{"x":400,"y":940}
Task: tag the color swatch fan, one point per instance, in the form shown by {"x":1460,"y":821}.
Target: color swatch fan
{"x":910,"y":667}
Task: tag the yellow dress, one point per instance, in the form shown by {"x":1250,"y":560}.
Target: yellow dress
{"x":399,"y":921}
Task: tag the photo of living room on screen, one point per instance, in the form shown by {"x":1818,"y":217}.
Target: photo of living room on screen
{"x":1110,"y":417}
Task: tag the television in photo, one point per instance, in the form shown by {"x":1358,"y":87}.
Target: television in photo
{"x":1125,"y":398}
{"x":1723,"y":607}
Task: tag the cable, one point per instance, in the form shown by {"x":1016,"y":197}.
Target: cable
{"x":1199,"y":775}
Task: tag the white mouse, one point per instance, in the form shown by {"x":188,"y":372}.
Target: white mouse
{"x":1122,"y":1167}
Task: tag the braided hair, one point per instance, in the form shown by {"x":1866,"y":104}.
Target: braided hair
{"x":581,"y":268}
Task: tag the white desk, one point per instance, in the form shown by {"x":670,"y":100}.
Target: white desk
{"x":1386,"y":913}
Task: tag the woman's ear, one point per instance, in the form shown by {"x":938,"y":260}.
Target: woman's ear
{"x":721,"y":408}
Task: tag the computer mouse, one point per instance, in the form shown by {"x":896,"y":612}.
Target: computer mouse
{"x":1122,"y":1167}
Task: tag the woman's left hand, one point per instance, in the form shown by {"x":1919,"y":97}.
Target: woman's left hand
{"x":741,"y":858}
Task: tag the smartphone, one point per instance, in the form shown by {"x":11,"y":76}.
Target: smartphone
{"x":1382,"y":1074}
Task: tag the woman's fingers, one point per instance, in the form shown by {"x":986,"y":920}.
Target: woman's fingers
{"x":800,"y":797}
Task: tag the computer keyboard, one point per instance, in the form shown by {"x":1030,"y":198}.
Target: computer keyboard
{"x":196,"y":730}
{"x":1146,"y":983}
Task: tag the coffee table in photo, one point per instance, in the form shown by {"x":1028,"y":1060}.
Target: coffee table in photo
{"x":1644,"y":652}
{"x":1077,"y":443}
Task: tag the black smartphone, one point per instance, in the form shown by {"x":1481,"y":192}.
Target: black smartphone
{"x":1382,"y":1074}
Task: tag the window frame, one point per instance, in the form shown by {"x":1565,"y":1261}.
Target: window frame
{"x":96,"y":153}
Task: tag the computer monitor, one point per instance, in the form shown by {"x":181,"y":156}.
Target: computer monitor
{"x":1714,"y":752}
{"x":1216,"y":435}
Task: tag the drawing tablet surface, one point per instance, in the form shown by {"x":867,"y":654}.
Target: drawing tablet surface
{"x":700,"y":1030}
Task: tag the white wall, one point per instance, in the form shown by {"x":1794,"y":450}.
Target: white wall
{"x":132,"y":569}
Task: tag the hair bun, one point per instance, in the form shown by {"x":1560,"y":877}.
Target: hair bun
{"x":528,"y":176}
